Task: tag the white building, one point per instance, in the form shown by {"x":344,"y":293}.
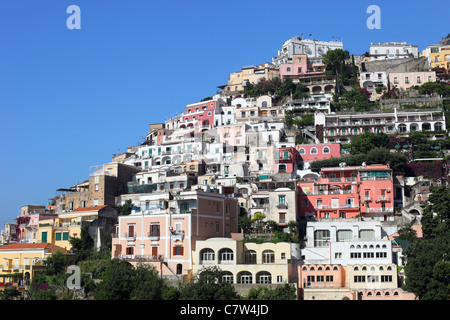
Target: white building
{"x":392,"y":50}
{"x":298,"y":45}
{"x":346,"y":242}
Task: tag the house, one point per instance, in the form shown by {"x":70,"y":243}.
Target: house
{"x":246,"y":264}
{"x":162,"y":229}
{"x":100,"y":219}
{"x":406,"y":80}
{"x":347,"y":192}
{"x":24,"y":259}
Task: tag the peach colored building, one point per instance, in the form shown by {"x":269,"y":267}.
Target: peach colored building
{"x":346,"y":192}
{"x":354,"y":282}
{"x":162,"y":229}
{"x":406,"y":80}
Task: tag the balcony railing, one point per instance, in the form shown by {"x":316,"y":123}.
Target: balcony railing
{"x":282,"y":205}
{"x":383,"y":198}
{"x":130,"y":236}
{"x":135,"y":257}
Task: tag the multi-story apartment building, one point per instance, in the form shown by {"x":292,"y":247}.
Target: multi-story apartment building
{"x":285,"y":160}
{"x":392,"y":50}
{"x":22,"y":258}
{"x":373,"y":80}
{"x":313,"y":152}
{"x":252,"y":74}
{"x":347,"y":192}
{"x":301,"y":66}
{"x":163,"y":229}
{"x":300,"y":46}
{"x":246,"y":264}
{"x":406,"y":80}
{"x":105,"y":183}
{"x":346,"y":242}
{"x":343,"y":126}
{"x":100,"y":219}
{"x":438,"y":56}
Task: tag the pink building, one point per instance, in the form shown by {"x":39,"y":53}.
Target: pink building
{"x":199,"y":115}
{"x":301,"y":66}
{"x":285,"y":160}
{"x":346,"y":192}
{"x":313,"y":152}
{"x":162,"y":231}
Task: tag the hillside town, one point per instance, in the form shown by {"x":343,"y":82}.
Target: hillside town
{"x":304,"y":170}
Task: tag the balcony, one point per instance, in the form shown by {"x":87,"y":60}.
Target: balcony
{"x":153,"y":236}
{"x":367,"y":198}
{"x":177,"y":234}
{"x":378,"y":210}
{"x":130,"y":236}
{"x":383,"y":198}
{"x":282,"y":205}
{"x":135,"y":257}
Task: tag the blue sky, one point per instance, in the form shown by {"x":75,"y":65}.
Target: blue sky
{"x":69,"y":99}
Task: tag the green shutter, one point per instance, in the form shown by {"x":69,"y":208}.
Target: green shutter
{"x":277,"y":155}
{"x":65,"y":235}
{"x":58,"y":236}
{"x":44,"y":237}
{"x":286,"y":155}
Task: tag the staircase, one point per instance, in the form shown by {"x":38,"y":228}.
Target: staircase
{"x":307,"y":132}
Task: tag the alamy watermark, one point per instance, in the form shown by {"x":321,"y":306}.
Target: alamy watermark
{"x":74,"y":20}
{"x":374,"y":21}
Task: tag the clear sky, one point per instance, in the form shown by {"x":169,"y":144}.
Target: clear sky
{"x":69,"y":99}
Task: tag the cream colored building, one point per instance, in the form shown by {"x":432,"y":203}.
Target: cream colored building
{"x":252,"y":74}
{"x":372,"y":276}
{"x":406,"y":80}
{"x":245,"y":263}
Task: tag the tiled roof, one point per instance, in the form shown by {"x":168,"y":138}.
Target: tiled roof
{"x":18,"y":246}
{"x":98,"y":208}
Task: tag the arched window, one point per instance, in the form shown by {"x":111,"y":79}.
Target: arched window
{"x":313,"y":150}
{"x":207,"y":256}
{"x":301,"y":151}
{"x":226,"y":255}
{"x":268,"y":256}
{"x":263,"y":277}
{"x":227,"y":277}
{"x":402,"y":128}
{"x":326,"y":150}
{"x":245,"y":277}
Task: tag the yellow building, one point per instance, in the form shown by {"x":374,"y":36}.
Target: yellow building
{"x":252,"y":74}
{"x":68,"y":224}
{"x":438,"y":56}
{"x":23,"y":260}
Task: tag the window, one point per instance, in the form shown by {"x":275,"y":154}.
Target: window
{"x":178,"y":250}
{"x":359,"y":279}
{"x":58,"y":236}
{"x":301,"y":151}
{"x":313,"y":151}
{"x":326,"y":150}
{"x":154,"y":230}
{"x":321,"y":238}
{"x":268,"y":256}
{"x":282,"y":199}
{"x":65,"y":236}
{"x":338,"y":255}
{"x":226,"y":255}
{"x":329,"y":278}
{"x":407,"y":80}
{"x":367,"y":234}
{"x":320,"y":278}
{"x":386,"y":278}
{"x":207,"y":255}
{"x":344,"y":235}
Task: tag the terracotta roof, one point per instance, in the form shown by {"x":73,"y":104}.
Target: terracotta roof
{"x":17,"y":246}
{"x":98,"y":208}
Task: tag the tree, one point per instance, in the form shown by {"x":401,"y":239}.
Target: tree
{"x":126,"y":208}
{"x":284,"y":292}
{"x":427,"y":259}
{"x":56,"y":264}
{"x":334,"y":59}
{"x":436,"y":216}
{"x":84,"y":245}
{"x":147,"y":285}
{"x":367,"y":141}
{"x":209,"y":285}
{"x":117,"y":281}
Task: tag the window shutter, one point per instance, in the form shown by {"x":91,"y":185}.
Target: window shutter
{"x":174,"y":251}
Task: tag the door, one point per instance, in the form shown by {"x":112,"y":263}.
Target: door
{"x":154,"y":252}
